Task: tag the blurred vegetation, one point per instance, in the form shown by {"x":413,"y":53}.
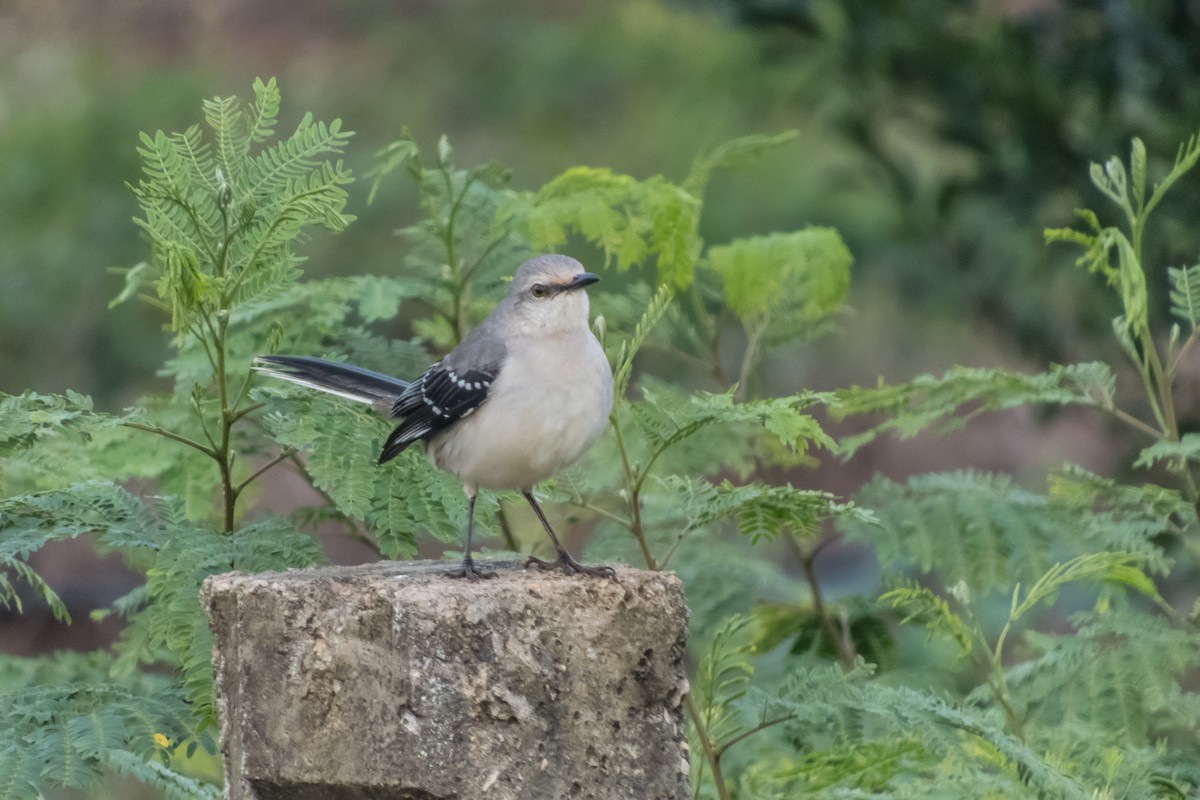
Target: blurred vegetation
{"x":936,"y":136}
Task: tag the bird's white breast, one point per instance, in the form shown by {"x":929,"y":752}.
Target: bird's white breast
{"x":543,"y":412}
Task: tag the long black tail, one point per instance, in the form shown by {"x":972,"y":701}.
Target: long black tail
{"x":343,"y":380}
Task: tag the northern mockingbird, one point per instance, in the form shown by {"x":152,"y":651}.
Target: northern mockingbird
{"x":523,"y":396}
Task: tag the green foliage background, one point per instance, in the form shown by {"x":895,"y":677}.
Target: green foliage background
{"x":1034,"y":635}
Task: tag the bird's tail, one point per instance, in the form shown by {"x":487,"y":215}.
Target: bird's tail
{"x":343,"y":380}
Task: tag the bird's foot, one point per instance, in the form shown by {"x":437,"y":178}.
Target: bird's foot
{"x":570,"y":566}
{"x":471,"y":572}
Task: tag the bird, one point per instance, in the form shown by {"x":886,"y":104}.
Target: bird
{"x":523,"y":396}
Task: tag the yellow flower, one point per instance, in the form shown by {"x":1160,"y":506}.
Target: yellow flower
{"x":162,"y":741}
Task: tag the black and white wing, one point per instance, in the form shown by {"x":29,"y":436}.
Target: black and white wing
{"x":435,"y":401}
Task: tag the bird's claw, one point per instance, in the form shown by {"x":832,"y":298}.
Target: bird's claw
{"x":570,"y":566}
{"x":471,"y":572}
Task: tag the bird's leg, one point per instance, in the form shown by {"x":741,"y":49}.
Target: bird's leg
{"x":469,"y":570}
{"x":564,"y":561}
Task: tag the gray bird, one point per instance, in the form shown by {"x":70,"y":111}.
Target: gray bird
{"x":523,"y":396}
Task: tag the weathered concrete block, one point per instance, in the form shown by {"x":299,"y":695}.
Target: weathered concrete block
{"x":392,"y":681}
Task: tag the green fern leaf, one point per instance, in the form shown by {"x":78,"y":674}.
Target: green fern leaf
{"x":264,"y":115}
{"x":762,"y":512}
{"x":788,"y":284}
{"x":628,"y":219}
{"x":731,"y":155}
{"x":946,"y":403}
{"x":1117,"y":676}
{"x":224,"y":115}
{"x":1185,"y":294}
{"x":173,"y":618}
{"x":28,"y":522}
{"x":967,"y":526}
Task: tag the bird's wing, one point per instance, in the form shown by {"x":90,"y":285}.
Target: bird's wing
{"x":435,"y":401}
{"x":449,"y":390}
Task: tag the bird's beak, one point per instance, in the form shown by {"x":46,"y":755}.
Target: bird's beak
{"x":581,"y":280}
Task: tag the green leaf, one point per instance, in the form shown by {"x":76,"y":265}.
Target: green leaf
{"x":1185,"y":294}
{"x":986,"y":532}
{"x":1115,"y":676}
{"x":388,"y":160}
{"x":790,"y":282}
{"x":761,"y":511}
{"x":738,"y":434}
{"x":1188,"y":447}
{"x":923,"y":605}
{"x":731,"y":155}
{"x":946,"y":403}
{"x":629,"y":220}
{"x":1137,"y":166}
{"x":1108,"y":567}
{"x":342,"y":442}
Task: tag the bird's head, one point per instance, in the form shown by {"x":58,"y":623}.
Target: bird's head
{"x":547,"y":294}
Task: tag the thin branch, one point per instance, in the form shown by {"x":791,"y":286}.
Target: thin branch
{"x":840,"y":639}
{"x":633,"y":485}
{"x":746,"y":734}
{"x":754,"y":336}
{"x":250,"y":409}
{"x":510,"y":540}
{"x":172,"y":436}
{"x":1133,"y":421}
{"x":1187,"y":345}
{"x":283,"y":456}
{"x":604,"y":512}
{"x":706,"y":744}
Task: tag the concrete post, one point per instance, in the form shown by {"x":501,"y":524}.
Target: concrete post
{"x":392,"y":682}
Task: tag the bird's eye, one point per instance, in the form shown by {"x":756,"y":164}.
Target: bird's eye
{"x":537,"y":290}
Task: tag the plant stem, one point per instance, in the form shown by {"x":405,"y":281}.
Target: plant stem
{"x":706,"y":744}
{"x":995,"y":667}
{"x":633,"y":490}
{"x":283,"y":456}
{"x":632,"y":485}
{"x":753,"y":336}
{"x":224,"y":454}
{"x":840,"y":638}
{"x":762,"y":726}
{"x":172,"y":436}
{"x":712,"y":336}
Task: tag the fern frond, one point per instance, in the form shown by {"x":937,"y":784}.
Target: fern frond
{"x":762,"y":512}
{"x":1117,"y":676}
{"x":406,"y":496}
{"x":28,"y":522}
{"x":946,"y":403}
{"x":722,"y":679}
{"x":971,"y":527}
{"x":629,"y":220}
{"x":665,"y":420}
{"x":1185,"y":294}
{"x":921,"y":604}
{"x":224,"y":115}
{"x":173,"y":618}
{"x":66,"y":732}
{"x":262,"y":118}
{"x":44,"y":440}
{"x":731,"y":155}
{"x":196,"y":155}
{"x":629,"y":348}
{"x":790,"y":284}
{"x":1185,"y":158}
{"x":277,"y":168}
